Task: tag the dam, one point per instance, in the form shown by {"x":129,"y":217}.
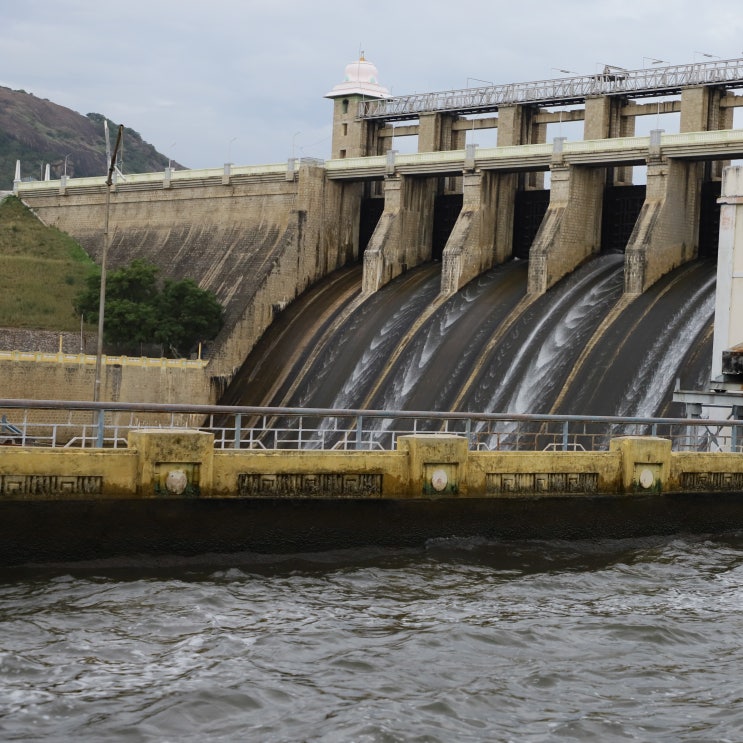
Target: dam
{"x":597,"y":319}
{"x":451,"y":214}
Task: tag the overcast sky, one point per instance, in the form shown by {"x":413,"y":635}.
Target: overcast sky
{"x":244,"y":80}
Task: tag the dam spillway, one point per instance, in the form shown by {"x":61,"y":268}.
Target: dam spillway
{"x":578,"y":349}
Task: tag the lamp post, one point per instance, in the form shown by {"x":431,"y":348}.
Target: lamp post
{"x":704,"y":54}
{"x":652,"y":60}
{"x":65,"y":163}
{"x":229,"y":150}
{"x":566,"y":72}
{"x":477,"y":79}
{"x":102,"y":295}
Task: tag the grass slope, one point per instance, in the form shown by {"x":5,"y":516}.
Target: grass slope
{"x":41,"y":272}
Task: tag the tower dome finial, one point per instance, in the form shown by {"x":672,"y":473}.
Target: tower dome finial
{"x":361,"y":78}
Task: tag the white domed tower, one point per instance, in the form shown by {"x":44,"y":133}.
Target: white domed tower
{"x":351,"y":136}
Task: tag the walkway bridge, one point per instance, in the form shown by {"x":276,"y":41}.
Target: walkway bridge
{"x":611,"y":82}
{"x":691,"y":146}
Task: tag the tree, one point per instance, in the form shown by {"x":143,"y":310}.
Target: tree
{"x":187,"y":314}
{"x":178,"y":316}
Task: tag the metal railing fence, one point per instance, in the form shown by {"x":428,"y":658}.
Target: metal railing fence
{"x":55,"y":423}
{"x":647,"y":82}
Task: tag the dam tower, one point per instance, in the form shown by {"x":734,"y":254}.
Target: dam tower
{"x":352,"y":136}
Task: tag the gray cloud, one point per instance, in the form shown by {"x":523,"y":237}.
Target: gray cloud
{"x":242,"y":77}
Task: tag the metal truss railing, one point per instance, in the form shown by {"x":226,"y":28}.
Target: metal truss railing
{"x":53,"y":423}
{"x":612,"y":81}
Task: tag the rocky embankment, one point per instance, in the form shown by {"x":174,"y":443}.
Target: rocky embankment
{"x":46,"y":341}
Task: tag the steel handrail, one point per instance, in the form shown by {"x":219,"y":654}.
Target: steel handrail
{"x":646,"y":82}
{"x":280,"y":427}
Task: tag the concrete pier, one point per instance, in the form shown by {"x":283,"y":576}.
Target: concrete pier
{"x":571,"y":229}
{"x":403,"y":236}
{"x":729,"y":305}
{"x":479,"y":239}
{"x":667,"y":230}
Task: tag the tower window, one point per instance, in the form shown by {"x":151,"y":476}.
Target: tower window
{"x":342,"y":154}
{"x":345,"y":129}
{"x":345,"y":106}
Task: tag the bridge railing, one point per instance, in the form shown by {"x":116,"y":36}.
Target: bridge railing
{"x":54,"y":423}
{"x":611,"y":81}
{"x":130,"y":180}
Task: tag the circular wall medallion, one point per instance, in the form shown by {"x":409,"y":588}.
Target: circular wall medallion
{"x":647,"y":478}
{"x":176,"y":481}
{"x":439,"y":480}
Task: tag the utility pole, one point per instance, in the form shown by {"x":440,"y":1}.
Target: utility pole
{"x":102,"y":297}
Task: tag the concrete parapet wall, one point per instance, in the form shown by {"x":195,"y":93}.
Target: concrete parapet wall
{"x":422,"y":466}
{"x":29,"y":474}
{"x":171,"y":492}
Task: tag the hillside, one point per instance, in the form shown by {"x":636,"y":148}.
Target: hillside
{"x":37,"y":131}
{"x":41,"y":272}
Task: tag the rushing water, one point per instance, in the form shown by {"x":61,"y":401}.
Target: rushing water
{"x":460,"y":641}
{"x":483,"y":350}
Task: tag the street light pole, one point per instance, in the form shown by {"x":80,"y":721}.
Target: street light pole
{"x":102,"y":296}
{"x":478,"y":80}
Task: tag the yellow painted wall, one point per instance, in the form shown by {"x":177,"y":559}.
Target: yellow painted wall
{"x":422,"y":467}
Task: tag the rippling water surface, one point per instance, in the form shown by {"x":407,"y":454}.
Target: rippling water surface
{"x":461,"y":641}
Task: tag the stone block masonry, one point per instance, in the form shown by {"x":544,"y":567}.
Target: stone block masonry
{"x":257,"y":241}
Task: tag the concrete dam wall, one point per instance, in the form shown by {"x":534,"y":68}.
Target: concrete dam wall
{"x":255,"y":240}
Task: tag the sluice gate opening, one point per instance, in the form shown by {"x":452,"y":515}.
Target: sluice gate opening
{"x":484,"y":349}
{"x":446,"y":209}
{"x":370,"y":213}
{"x":709,"y":219}
{"x":621,"y":208}
{"x":529,"y":210}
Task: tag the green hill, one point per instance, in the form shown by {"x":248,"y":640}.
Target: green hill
{"x":41,"y":271}
{"x":37,"y":131}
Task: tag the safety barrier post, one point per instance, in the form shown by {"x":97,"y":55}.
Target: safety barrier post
{"x":100,"y":425}
{"x":238,"y":431}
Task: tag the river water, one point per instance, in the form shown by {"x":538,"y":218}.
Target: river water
{"x":463,"y":640}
